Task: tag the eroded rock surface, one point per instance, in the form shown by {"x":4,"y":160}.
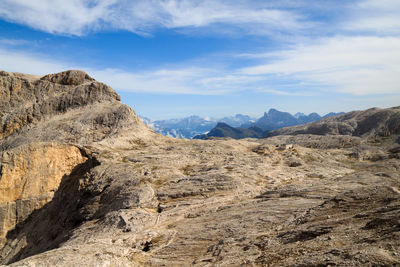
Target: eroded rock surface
{"x":130,"y":197}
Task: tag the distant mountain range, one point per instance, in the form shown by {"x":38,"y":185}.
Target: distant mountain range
{"x":371,"y":122}
{"x":276,"y":119}
{"x":189,"y":127}
{"x":272,"y":120}
{"x":238,"y":126}
{"x":181,"y":128}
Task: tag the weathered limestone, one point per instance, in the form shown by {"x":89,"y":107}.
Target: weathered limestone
{"x":48,"y":96}
{"x":29,"y":177}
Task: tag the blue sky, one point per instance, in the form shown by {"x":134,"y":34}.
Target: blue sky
{"x":171,"y":58}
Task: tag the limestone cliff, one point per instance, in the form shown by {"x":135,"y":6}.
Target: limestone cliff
{"x":29,"y":177}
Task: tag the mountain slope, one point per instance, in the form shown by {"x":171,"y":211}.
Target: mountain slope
{"x":276,"y":119}
{"x":224,"y":130}
{"x":372,"y":122}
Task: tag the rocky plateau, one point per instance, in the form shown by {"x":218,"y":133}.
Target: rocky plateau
{"x":83,"y":182}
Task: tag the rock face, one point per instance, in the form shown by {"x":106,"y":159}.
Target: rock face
{"x":44,"y":123}
{"x":24,"y":102}
{"x":29,"y":177}
{"x":89,"y":184}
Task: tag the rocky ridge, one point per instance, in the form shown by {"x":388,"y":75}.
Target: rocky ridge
{"x":371,"y":122}
{"x":85,"y":182}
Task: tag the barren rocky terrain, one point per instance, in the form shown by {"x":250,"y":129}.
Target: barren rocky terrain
{"x":83,"y":182}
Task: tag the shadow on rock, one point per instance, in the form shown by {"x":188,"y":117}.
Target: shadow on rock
{"x":51,"y":225}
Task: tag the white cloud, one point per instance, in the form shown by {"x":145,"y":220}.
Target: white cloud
{"x":77,"y":17}
{"x":273,"y":18}
{"x":58,"y":16}
{"x":14,"y":42}
{"x":284,"y":93}
{"x":179,"y":80}
{"x":173,"y":81}
{"x":191,"y":80}
{"x":16,"y":61}
{"x":377,"y":16}
{"x":202,"y":13}
{"x":351,"y":65}
{"x":355,"y":65}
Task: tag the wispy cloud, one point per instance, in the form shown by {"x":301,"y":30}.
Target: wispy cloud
{"x":72,"y":17}
{"x":351,"y":65}
{"x":77,"y":17}
{"x":16,"y":61}
{"x":355,"y":65}
{"x":374,"y":17}
{"x":162,"y":81}
{"x":14,"y":42}
{"x":184,"y":79}
{"x":272,"y":18}
{"x":363,"y":58}
{"x":177,"y":80}
{"x":284,"y":93}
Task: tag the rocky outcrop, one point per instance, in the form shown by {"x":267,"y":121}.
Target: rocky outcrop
{"x":24,"y":102}
{"x":372,"y":122}
{"x":65,"y":107}
{"x":44,"y":124}
{"x":89,"y":184}
{"x":29,"y":177}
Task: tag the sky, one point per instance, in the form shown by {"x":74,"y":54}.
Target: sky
{"x":215,"y":58}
